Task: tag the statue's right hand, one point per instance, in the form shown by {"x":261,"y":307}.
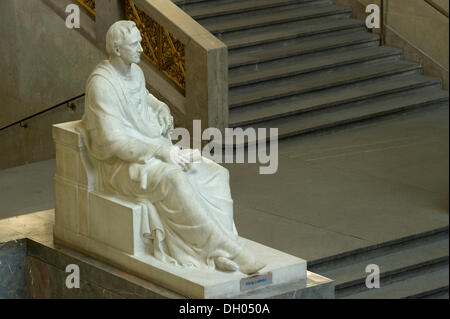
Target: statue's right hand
{"x":174,"y":155}
{"x":179,"y":158}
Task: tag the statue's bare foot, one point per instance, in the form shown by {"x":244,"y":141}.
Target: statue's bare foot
{"x":248,"y":264}
{"x":225,"y":264}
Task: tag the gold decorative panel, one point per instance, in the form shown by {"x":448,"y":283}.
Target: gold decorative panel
{"x":161,"y":48}
{"x":89,"y":5}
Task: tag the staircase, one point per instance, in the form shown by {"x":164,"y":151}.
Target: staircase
{"x":410,"y":267}
{"x":305,"y":65}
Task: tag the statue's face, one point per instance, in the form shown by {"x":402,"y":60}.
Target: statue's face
{"x":130,"y":51}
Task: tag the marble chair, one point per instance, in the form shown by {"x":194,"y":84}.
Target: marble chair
{"x":83,"y":211}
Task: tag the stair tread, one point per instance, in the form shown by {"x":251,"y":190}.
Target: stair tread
{"x":180,"y":2}
{"x":308,"y":64}
{"x":304,"y":123}
{"x":303,"y":11}
{"x":392,"y":262}
{"x":261,"y":92}
{"x":268,"y":53}
{"x":335,"y":96}
{"x":406,"y":288}
{"x":279,"y":33}
{"x":229,"y":7}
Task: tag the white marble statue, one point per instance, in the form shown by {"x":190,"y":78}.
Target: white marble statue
{"x":126,"y":131}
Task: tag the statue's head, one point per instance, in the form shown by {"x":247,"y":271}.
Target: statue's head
{"x":123,"y":40}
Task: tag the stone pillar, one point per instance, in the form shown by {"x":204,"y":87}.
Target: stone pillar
{"x":206,"y":85}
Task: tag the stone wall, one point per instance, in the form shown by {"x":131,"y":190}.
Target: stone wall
{"x":423,"y":32}
{"x":46,"y":64}
{"x":43,"y":64}
{"x":416,"y":27}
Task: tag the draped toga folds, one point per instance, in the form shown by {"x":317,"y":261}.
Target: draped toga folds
{"x":187,"y":216}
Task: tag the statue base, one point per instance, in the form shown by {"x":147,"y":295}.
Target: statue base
{"x":40,"y":272}
{"x":282,"y":269}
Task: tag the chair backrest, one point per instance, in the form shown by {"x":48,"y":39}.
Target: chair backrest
{"x":72,"y":160}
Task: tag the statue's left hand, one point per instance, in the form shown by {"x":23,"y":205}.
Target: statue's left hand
{"x":165,"y":119}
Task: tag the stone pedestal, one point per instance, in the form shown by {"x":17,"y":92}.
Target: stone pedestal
{"x":40,"y":272}
{"x":33,"y":266}
{"x":189,"y":282}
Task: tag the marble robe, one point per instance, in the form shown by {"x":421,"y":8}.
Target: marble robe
{"x":187,"y":216}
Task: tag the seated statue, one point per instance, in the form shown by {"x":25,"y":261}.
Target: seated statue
{"x":127,"y":134}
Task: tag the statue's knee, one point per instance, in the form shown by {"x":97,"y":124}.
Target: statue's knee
{"x":176,"y":178}
{"x":224,"y":172}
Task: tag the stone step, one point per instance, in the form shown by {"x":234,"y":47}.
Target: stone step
{"x":289,"y":67}
{"x":272,"y":90}
{"x":283,"y":32}
{"x":400,"y":260}
{"x":208,"y":9}
{"x":393,"y":266}
{"x":305,"y":66}
{"x":355,"y":112}
{"x":260,"y":54}
{"x":260,"y":112}
{"x":428,"y":283}
{"x":272,"y":17}
{"x":373,"y":251}
{"x":188,"y":2}
{"x":392,"y":276}
{"x":436,"y":293}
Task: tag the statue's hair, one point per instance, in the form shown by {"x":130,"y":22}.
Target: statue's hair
{"x":117,"y":34}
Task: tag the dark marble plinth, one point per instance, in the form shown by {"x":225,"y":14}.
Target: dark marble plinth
{"x":13,"y":269}
{"x":47,"y":277}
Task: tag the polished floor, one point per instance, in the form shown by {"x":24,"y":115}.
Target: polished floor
{"x":332,"y":193}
